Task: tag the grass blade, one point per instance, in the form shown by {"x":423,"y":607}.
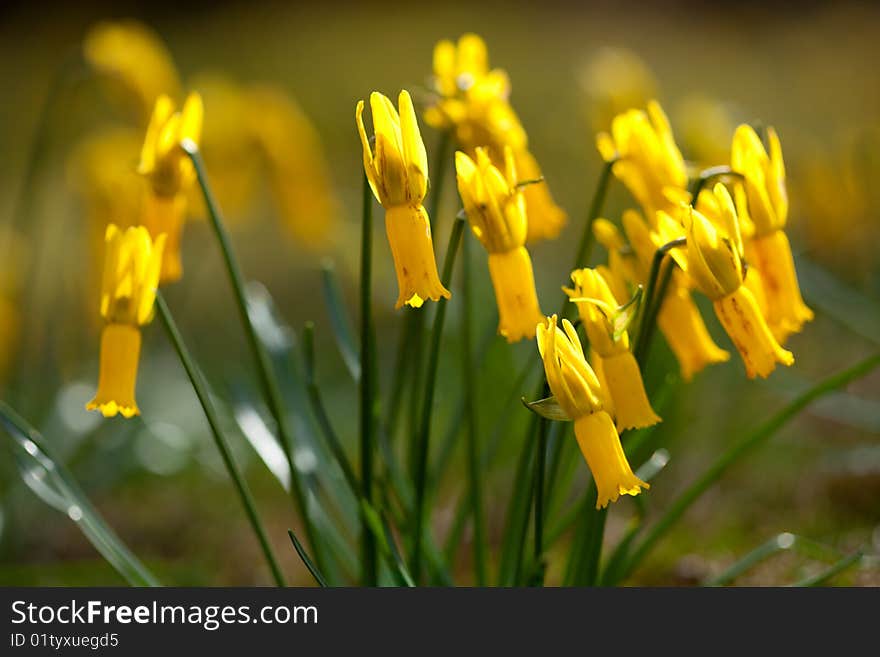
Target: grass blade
{"x":46,"y":475}
{"x":301,"y":551}
{"x":340,"y":323}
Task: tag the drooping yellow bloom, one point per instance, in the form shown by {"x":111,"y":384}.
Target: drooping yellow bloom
{"x":131,"y":276}
{"x":577,"y":390}
{"x":679,"y":318}
{"x":397,"y":170}
{"x":496,"y":210}
{"x":713,"y":260}
{"x":473,"y":102}
{"x":764,"y":201}
{"x":615,"y":80}
{"x":134,"y":63}
{"x":170,"y":174}
{"x":648,"y":160}
{"x":599,"y":309}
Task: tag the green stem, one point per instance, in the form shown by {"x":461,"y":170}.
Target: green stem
{"x":706,"y":175}
{"x":200,"y":387}
{"x":367,"y":383}
{"x":470,"y":415}
{"x":740,"y":449}
{"x":307,"y":561}
{"x":540,"y":466}
{"x":655,"y":291}
{"x":587,"y":238}
{"x":424,"y":435}
{"x":264,"y":367}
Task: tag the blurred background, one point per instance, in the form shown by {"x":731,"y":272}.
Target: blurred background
{"x":280,"y":84}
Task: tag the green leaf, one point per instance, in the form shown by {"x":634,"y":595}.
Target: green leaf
{"x":739,"y":449}
{"x":547,"y":408}
{"x":340,"y":323}
{"x":50,"y":480}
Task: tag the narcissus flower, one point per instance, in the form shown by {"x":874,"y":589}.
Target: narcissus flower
{"x":714,"y":262}
{"x":764,"y":200}
{"x":132,"y":59}
{"x":472,"y":102}
{"x":648,"y":161}
{"x":603,"y":318}
{"x":577,"y":390}
{"x":170,"y":174}
{"x":397,"y":170}
{"x":128,"y":290}
{"x":679,"y":319}
{"x":496,"y":210}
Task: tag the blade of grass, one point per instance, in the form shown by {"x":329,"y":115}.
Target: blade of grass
{"x":836,"y":569}
{"x":200,"y":387}
{"x":740,"y":449}
{"x":268,"y":383}
{"x":339,"y":320}
{"x":47,"y":476}
{"x":301,"y":551}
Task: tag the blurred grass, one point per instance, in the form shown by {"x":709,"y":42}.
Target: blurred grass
{"x":809,"y":72}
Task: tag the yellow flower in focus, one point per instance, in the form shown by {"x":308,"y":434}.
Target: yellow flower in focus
{"x":170,"y":174}
{"x":713,"y":261}
{"x":648,"y":161}
{"x":397,"y":170}
{"x":496,"y":210}
{"x":472,"y":102}
{"x":599,"y":309}
{"x":128,"y":290}
{"x":679,"y":318}
{"x":578,"y":392}
{"x":134,"y":61}
{"x":764,"y":200}
{"x":615,"y":80}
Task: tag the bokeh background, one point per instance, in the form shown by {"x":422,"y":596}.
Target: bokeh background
{"x":809,"y":72}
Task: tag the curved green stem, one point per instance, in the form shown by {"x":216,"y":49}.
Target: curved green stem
{"x":424,"y":435}
{"x":200,"y":386}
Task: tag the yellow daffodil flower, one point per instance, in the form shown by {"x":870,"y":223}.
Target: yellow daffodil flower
{"x":131,"y":276}
{"x":397,"y":170}
{"x":599,"y":310}
{"x":170,"y":174}
{"x":472,"y":102}
{"x":648,"y":161}
{"x":496,"y":210}
{"x":769,"y":250}
{"x":679,"y":318}
{"x":132,"y":59}
{"x":713,"y":260}
{"x":577,"y":390}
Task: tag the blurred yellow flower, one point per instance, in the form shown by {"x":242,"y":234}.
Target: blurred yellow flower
{"x":648,"y":160}
{"x":615,"y":80}
{"x":577,"y":390}
{"x":764,"y":200}
{"x":600,"y":313}
{"x":705,"y":129}
{"x":496,"y":210}
{"x":713,"y":260}
{"x":134,"y":62}
{"x":472,"y":102}
{"x":170,"y":174}
{"x":131,"y":276}
{"x":397,"y":170}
